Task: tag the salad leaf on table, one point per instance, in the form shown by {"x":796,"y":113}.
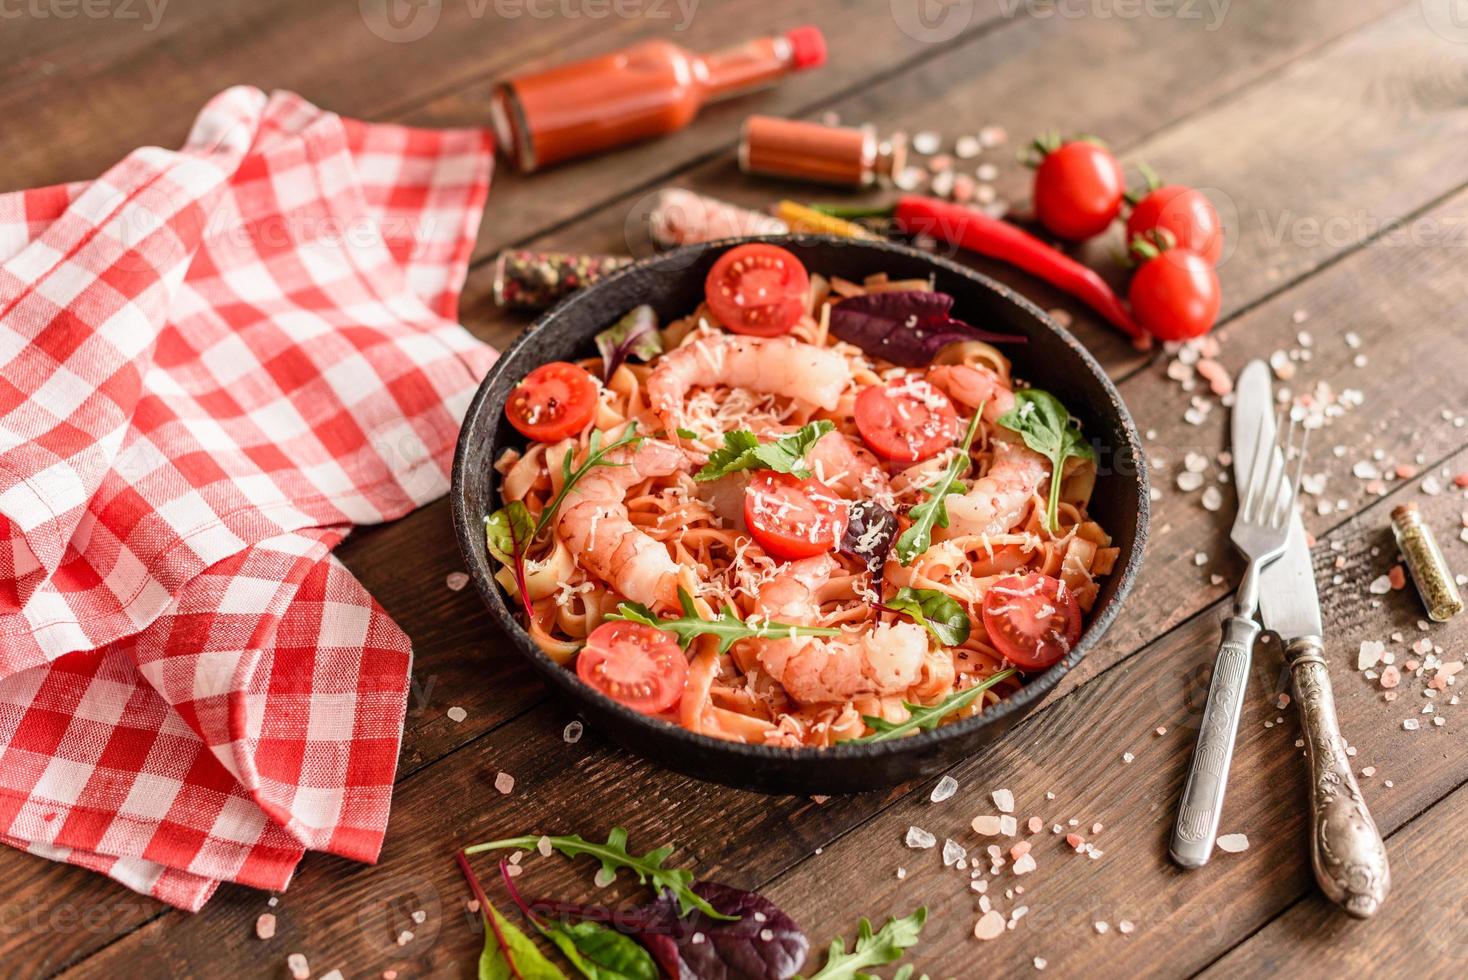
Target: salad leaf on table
{"x":614,"y":856}
{"x":508,"y":953}
{"x":926,"y":718}
{"x":635,"y":335}
{"x":742,"y":450}
{"x":727,"y":626}
{"x":937,"y":612}
{"x":764,"y":943}
{"x":906,"y":327}
{"x":918,"y":538}
{"x":1049,"y":429}
{"x":879,"y":948}
{"x":597,"y":953}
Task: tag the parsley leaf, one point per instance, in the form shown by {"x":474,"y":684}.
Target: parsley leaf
{"x":727,"y":626}
{"x":1050,"y":430}
{"x":938,"y":612}
{"x":934,"y":511}
{"x":926,"y":718}
{"x":879,"y":948}
{"x":742,"y":450}
{"x":613,"y":856}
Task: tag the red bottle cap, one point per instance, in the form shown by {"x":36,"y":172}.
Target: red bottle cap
{"x":807,"y":47}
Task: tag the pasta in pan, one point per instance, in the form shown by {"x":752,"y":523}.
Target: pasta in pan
{"x":771,"y":535}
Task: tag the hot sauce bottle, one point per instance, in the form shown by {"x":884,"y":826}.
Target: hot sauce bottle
{"x":650,"y":89}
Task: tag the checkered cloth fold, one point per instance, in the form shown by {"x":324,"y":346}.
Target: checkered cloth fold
{"x":213,"y":362}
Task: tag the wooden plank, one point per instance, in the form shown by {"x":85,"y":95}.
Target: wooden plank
{"x":1086,"y":731}
{"x":1418,"y":933}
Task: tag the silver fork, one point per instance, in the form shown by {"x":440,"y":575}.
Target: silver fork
{"x":1259,"y":532}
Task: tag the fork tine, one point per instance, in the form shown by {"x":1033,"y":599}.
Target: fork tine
{"x":1256,"y":476}
{"x":1280,"y":503}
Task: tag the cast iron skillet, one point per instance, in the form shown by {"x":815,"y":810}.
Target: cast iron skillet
{"x":673,"y":284}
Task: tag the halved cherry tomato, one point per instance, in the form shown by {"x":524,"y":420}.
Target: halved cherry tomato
{"x":1078,"y":189}
{"x":793,"y":518}
{"x":1184,"y":213}
{"x":1176,"y":295}
{"x":906,"y":420}
{"x":634,"y":664}
{"x":757,"y":289}
{"x":554,"y":401}
{"x":1033,"y":620}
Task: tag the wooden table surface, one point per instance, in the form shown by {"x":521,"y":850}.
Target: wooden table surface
{"x":1333,"y":136}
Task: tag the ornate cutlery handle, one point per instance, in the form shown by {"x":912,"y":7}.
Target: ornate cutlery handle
{"x":1345,"y":846}
{"x":1202,"y":802}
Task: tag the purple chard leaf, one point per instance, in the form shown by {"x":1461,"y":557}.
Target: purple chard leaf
{"x":906,"y":327}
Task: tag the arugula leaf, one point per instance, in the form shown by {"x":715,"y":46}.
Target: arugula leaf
{"x":727,"y":626}
{"x":925,"y":717}
{"x":685,"y":433}
{"x":635,"y":335}
{"x":879,"y":948}
{"x":597,"y":952}
{"x":613,"y":856}
{"x":934,"y":511}
{"x":938,"y":612}
{"x":742,"y":450}
{"x":1050,"y":430}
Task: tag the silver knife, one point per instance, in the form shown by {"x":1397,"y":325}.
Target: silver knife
{"x":1346,"y":848}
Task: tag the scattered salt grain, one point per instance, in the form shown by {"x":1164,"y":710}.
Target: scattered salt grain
{"x":1035,"y":825}
{"x":1004,"y":800}
{"x":1125,"y":927}
{"x":1188,"y":481}
{"x":456,"y":581}
{"x":1008,"y":825}
{"x":299,"y":967}
{"x":1410,"y":724}
{"x":332,"y":975}
{"x":603,"y":877}
{"x":1233,"y":843}
{"x":990,"y":926}
{"x":456,"y":714}
{"x":419,"y":916}
{"x":901,"y":873}
{"x":505,"y":783}
{"x":945,"y":789}
{"x":405,"y":937}
{"x":1200,"y":559}
{"x":572,"y":733}
{"x":926,"y":142}
{"x":992,"y":136}
{"x":1370,"y":654}
{"x":919,"y":839}
{"x":1040,"y":963}
{"x":986,"y":825}
{"x":1161,"y":729}
{"x":1380,"y":585}
{"x":1127,"y":757}
{"x":967,"y":147}
{"x":1102,"y":928}
{"x":543,"y":846}
{"x":1024,"y":864}
{"x":1369,"y":771}
{"x":953,"y":852}
{"x":265,"y":926}
{"x":1212,"y":499}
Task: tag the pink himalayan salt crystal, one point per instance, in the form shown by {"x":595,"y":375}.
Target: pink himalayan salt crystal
{"x":986,"y":825}
{"x":990,"y":926}
{"x":1216,"y":375}
{"x":1022,"y":848}
{"x":1075,"y":840}
{"x":299,"y":967}
{"x":1036,"y":824}
{"x":1233,"y":843}
{"x":1390,"y":677}
{"x":1460,"y":480}
{"x":265,"y":926}
{"x":1397,"y":577}
{"x":505,"y":783}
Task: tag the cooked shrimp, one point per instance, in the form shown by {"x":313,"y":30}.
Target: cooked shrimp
{"x":997,"y":500}
{"x":886,"y":659}
{"x":594,"y":524}
{"x":972,"y":385}
{"x":851,"y":470}
{"x":772,"y":365}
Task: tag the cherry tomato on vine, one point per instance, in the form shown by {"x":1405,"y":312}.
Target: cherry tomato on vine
{"x":634,"y":664}
{"x":1034,"y":620}
{"x":907,"y":419}
{"x":1079,"y":187}
{"x":1185,"y":214}
{"x":554,"y":401}
{"x":757,"y":289}
{"x":1175,"y":295}
{"x":793,"y":518}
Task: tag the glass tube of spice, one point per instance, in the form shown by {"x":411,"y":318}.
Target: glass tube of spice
{"x":1430,"y":571}
{"x":842,"y":155}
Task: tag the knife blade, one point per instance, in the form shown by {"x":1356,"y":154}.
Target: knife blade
{"x":1346,"y":849}
{"x":1288,"y":601}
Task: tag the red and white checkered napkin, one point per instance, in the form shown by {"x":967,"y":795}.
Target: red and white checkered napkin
{"x":213,"y":362}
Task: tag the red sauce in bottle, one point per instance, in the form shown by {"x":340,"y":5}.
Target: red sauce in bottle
{"x":647,"y":90}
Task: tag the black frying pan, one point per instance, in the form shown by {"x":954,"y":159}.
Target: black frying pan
{"x":673,"y":284}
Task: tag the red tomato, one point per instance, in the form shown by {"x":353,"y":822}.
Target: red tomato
{"x":1032,"y":619}
{"x":634,"y":664}
{"x":1078,"y":190}
{"x":1175,"y":295}
{"x":793,"y":518}
{"x":1184,"y":213}
{"x":757,"y":289}
{"x":554,"y":401}
{"x":907,"y":420}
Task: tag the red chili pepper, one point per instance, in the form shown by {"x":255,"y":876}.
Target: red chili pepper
{"x":1001,"y":240}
